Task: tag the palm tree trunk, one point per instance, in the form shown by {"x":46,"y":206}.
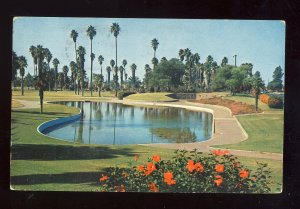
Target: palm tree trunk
{"x":75,"y":87}
{"x":116,"y":67}
{"x":22,"y":85}
{"x":82,"y":87}
{"x":55,"y":79}
{"x":256,"y":102}
{"x":91,"y":87}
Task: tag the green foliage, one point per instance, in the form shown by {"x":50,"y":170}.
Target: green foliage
{"x":188,"y":172}
{"x":276,"y":83}
{"x":275,"y":102}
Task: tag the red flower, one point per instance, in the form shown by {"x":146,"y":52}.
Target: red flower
{"x":120,"y":188}
{"x":198,"y":167}
{"x":218,"y":180}
{"x":168,"y":178}
{"x":219,"y":168}
{"x":150,"y":168}
{"x":153,"y":187}
{"x":244,"y":174}
{"x":156,"y":158}
{"x":140,"y":168}
{"x":103,"y":178}
{"x":220,"y":152}
{"x":190,"y":166}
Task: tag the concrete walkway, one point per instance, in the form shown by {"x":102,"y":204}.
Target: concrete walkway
{"x":227,"y":128}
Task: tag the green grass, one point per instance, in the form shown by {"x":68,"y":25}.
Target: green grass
{"x":32,"y":95}
{"x":155,"y":97}
{"x":16,"y":104}
{"x":265,"y":133}
{"x":42,"y":163}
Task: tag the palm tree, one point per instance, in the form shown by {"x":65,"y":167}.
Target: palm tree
{"x":108,"y":70}
{"x":73,"y":68}
{"x":55,"y":63}
{"x":133,"y":69}
{"x":115,"y":78}
{"x":48,"y":57}
{"x":224,"y":61}
{"x":112,"y":64}
{"x":100,"y":60}
{"x":115,"y":29}
{"x":32,"y":50}
{"x":124,"y":63}
{"x":154,"y":44}
{"x":22,"y":62}
{"x":181,"y":54}
{"x":74,"y":36}
{"x":40,"y":54}
{"x":91,"y":32}
{"x":15,"y":67}
{"x":81,"y":52}
{"x":121,"y":69}
{"x":65,"y":72}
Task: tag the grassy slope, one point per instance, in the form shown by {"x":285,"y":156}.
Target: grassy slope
{"x":151,"y":97}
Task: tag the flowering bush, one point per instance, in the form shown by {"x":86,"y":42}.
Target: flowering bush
{"x":275,"y":102}
{"x":192,"y":171}
{"x":264,"y":98}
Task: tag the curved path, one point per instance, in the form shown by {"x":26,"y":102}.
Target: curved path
{"x":227,"y":128}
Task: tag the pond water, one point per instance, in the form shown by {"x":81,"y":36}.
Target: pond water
{"x":113,"y":123}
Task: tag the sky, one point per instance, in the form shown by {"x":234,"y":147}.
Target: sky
{"x":260,"y":42}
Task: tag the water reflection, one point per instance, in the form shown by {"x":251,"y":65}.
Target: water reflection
{"x":113,"y":123}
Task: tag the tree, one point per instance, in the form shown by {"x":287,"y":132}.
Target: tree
{"x":121,"y":69}
{"x":147,"y":75}
{"x":115,"y":29}
{"x":65,"y":73}
{"x":61,"y":80}
{"x":154,"y":44}
{"x":22,"y":65}
{"x":235,"y":83}
{"x":222,"y":75}
{"x":81,"y":52}
{"x":108,"y":70}
{"x":74,"y":36}
{"x":73,"y":68}
{"x":100,"y":60}
{"x":91,"y":32}
{"x":32,"y":50}
{"x":98,"y":82}
{"x":15,"y":67}
{"x":133,"y":78}
{"x":55,"y":63}
{"x":48,"y":57}
{"x":257,"y":85}
{"x":40,"y":54}
{"x":276,"y":83}
{"x":224,"y":62}
{"x":28,"y":80}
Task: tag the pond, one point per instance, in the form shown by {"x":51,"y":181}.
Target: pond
{"x":119,"y":124}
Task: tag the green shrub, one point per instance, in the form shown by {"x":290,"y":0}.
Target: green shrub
{"x":122,"y":94}
{"x":275,"y":102}
{"x":188,"y":172}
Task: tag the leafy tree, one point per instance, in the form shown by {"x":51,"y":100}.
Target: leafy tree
{"x":61,"y":80}
{"x":148,"y":74}
{"x":276,"y":83}
{"x":257,"y":85}
{"x":98,"y":82}
{"x":55,"y":63}
{"x":224,"y":62}
{"x":248,"y":68}
{"x":235,"y":83}
{"x":91,"y":32}
{"x":222,"y":75}
{"x":133,"y":78}
{"x":22,"y":62}
{"x":65,"y":73}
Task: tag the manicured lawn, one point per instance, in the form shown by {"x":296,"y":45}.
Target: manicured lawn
{"x":66,"y":95}
{"x":265,"y":133}
{"x":16,"y":104}
{"x":155,"y":97}
{"x":42,"y":163}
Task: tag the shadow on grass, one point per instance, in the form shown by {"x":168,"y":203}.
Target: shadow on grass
{"x":44,"y":113}
{"x":44,"y":152}
{"x":65,"y":178}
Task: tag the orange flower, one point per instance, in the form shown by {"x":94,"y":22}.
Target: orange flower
{"x":140,"y":168}
{"x":153,"y":187}
{"x":103,"y":178}
{"x":190,"y":166}
{"x":220,"y":152}
{"x":198,"y":167}
{"x":218,"y":180}
{"x":136,"y":157}
{"x":244,"y":174}
{"x":168,"y":178}
{"x":120,"y":188}
{"x":219,"y":168}
{"x":150,"y":168}
{"x":156,"y":158}
{"x":124,"y":174}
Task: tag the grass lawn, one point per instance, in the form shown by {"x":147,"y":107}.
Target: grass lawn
{"x":16,"y":104}
{"x":265,"y":133}
{"x":42,"y":163}
{"x":155,"y":97}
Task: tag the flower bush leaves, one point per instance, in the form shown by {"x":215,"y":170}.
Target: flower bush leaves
{"x":218,"y":171}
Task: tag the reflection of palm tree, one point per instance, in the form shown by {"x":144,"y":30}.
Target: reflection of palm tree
{"x":90,"y":124}
{"x":115,"y":118}
{"x":80,"y":129}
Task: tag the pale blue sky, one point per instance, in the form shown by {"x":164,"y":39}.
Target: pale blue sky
{"x":260,"y":42}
